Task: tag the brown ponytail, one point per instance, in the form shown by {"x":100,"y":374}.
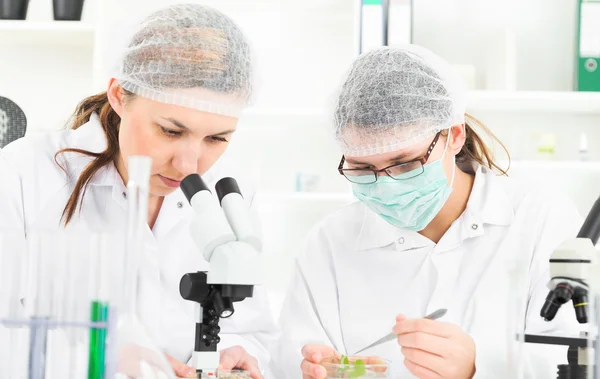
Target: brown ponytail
{"x":476,"y":150}
{"x":110,"y":124}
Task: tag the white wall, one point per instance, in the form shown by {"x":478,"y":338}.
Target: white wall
{"x":303,"y":49}
{"x":46,"y":71}
{"x":466,"y":31}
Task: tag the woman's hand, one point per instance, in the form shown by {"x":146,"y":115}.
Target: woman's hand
{"x":237,"y":357}
{"x":313,"y":355}
{"x":434,"y":349}
{"x":181,"y":369}
{"x":232,"y":358}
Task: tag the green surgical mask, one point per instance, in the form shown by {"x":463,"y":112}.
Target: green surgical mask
{"x":408,"y":204}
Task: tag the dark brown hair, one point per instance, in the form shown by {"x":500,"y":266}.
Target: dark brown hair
{"x":476,"y":150}
{"x":110,"y":120}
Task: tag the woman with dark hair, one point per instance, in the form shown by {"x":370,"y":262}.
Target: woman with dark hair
{"x":175,"y":96}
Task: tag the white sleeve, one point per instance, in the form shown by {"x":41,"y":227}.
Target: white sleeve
{"x":561,"y":223}
{"x":309,"y":311}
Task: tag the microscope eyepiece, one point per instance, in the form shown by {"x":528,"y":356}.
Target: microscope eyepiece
{"x":226,"y":186}
{"x":191,"y":185}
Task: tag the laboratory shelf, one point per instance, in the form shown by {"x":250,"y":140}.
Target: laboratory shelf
{"x":553,"y":165}
{"x":520,"y":101}
{"x":342,"y":197}
{"x":535,"y":101}
{"x":285,"y":112}
{"x":63,"y":33}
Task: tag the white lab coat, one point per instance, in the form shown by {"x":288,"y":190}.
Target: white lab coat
{"x":34,"y":191}
{"x":358,"y":272}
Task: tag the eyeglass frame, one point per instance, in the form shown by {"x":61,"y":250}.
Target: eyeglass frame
{"x":422,"y":160}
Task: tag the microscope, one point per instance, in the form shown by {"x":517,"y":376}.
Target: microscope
{"x":575,"y":274}
{"x":228,"y":241}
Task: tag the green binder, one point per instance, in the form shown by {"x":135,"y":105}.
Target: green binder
{"x":588,"y":46}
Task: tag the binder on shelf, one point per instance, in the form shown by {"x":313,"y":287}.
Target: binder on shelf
{"x":399,"y":22}
{"x":371,"y":25}
{"x":385,"y":23}
{"x":588,"y":46}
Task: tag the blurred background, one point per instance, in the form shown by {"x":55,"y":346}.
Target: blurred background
{"x":531,"y":66}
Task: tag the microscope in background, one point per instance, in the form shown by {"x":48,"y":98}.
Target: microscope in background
{"x":226,"y":237}
{"x":575,"y":272}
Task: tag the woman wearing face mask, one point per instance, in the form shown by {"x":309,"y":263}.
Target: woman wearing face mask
{"x":438,"y":225}
{"x":175,"y":96}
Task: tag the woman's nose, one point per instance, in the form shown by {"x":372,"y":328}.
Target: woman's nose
{"x":186,"y":162}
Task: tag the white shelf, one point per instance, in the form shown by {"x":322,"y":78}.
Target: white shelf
{"x":285,"y":112}
{"x":63,"y":33}
{"x":278,"y":118}
{"x":342,"y":197}
{"x":535,"y":101}
{"x":553,"y":165}
{"x":516,"y":101}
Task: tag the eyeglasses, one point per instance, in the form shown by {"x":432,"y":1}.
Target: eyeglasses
{"x":401,"y":171}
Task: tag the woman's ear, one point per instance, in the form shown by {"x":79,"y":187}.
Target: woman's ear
{"x":458,"y":136}
{"x":115,"y":96}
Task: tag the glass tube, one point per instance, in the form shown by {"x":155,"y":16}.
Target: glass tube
{"x":137,"y":355}
{"x":100,"y":277}
{"x":13,"y":364}
{"x":40,"y":296}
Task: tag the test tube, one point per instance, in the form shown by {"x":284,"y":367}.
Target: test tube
{"x":134,"y":354}
{"x":42,"y":246}
{"x":137,"y":216}
{"x":57,"y":352}
{"x":69,"y":339}
{"x":100,"y":277}
{"x":12,"y":316}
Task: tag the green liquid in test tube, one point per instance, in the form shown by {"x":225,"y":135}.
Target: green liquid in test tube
{"x":99,"y":313}
{"x":99,"y":269}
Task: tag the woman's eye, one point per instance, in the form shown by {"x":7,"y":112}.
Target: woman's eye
{"x":218,"y":139}
{"x":169,"y":132}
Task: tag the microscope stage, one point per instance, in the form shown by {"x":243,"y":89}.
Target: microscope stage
{"x":556,"y":340}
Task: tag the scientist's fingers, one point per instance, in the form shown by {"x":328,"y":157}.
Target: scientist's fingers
{"x":437,"y":328}
{"x":237,"y":357}
{"x":427,"y":342}
{"x":420,"y":371}
{"x":312,"y":371}
{"x":425,"y":359}
{"x":316,"y":353}
{"x":377,"y":364}
{"x":181,"y":369}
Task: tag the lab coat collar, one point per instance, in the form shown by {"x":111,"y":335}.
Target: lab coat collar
{"x":376,"y":232}
{"x":488,"y":204}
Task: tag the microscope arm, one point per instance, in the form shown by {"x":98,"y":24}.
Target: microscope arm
{"x":591,"y":226}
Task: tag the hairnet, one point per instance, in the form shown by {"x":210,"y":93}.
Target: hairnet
{"x":396,"y":97}
{"x":189,"y":55}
